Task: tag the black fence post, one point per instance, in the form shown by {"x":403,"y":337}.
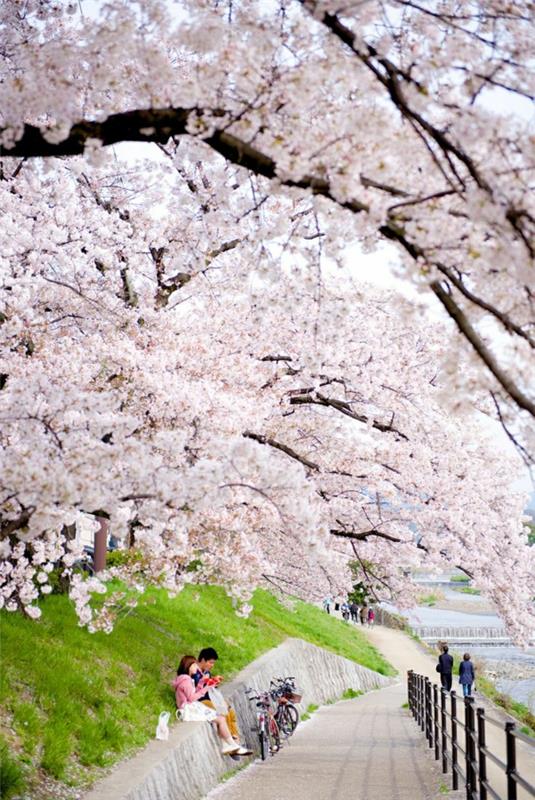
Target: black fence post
{"x":443,"y":726}
{"x":482,"y":758}
{"x":421,"y":694}
{"x":435,"y":720}
{"x":428,"y":713}
{"x":410,"y":695}
{"x":511,"y":760}
{"x":454,"y":753}
{"x":470,"y":748}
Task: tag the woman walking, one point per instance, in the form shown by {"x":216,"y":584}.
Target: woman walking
{"x":467,"y":675}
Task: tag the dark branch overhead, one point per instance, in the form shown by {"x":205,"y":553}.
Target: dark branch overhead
{"x":160,"y":125}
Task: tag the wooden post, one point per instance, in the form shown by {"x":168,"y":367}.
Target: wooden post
{"x":100,"y":545}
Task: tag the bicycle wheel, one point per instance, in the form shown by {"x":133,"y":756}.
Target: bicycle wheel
{"x":273,"y":736}
{"x":291,"y":718}
{"x":264,"y":743}
{"x":282,"y":720}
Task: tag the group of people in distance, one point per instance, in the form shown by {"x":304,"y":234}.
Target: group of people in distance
{"x":192,"y":685}
{"x":350,"y":610}
{"x":467,"y":674}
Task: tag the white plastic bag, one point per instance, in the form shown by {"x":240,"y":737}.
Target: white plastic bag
{"x":162,"y":730}
{"x":197,"y":712}
{"x":220,"y":704}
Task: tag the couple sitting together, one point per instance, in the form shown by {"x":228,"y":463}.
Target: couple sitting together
{"x":192,"y":686}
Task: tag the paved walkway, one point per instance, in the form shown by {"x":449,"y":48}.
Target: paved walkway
{"x":368,"y":748}
{"x":364,"y":749}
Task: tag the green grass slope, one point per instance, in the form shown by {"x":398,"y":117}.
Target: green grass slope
{"x":73,"y":701}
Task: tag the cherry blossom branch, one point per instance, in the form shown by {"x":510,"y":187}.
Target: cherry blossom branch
{"x":7,"y":527}
{"x":528,"y":459}
{"x":345,"y":408}
{"x":140,"y":125}
{"x":272,"y":579}
{"x":506,"y":321}
{"x":282,"y":447}
{"x":466,"y":328}
{"x":362,"y":536}
{"x":389,"y":78}
{"x":158,"y":125}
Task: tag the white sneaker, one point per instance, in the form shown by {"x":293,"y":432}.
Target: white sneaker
{"x":230,"y":749}
{"x":243,"y":751}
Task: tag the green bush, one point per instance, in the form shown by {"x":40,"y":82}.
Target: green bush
{"x":12,"y":780}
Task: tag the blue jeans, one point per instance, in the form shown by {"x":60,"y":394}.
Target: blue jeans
{"x":467,"y":689}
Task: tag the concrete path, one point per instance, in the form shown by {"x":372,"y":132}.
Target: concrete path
{"x":362,"y":749}
{"x":369,"y":748}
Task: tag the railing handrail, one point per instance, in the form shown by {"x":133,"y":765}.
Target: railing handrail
{"x":428,"y":705}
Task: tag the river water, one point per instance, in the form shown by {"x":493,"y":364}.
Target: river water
{"x":511,"y":668}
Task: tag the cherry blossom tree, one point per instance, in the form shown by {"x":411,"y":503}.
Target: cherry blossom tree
{"x":184,"y":348}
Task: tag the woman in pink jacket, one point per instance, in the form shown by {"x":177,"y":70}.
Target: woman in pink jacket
{"x":191,"y":710}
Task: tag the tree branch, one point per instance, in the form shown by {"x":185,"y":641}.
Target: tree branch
{"x":257,"y":437}
{"x":362,"y":536}
{"x":345,"y":408}
{"x":466,"y":328}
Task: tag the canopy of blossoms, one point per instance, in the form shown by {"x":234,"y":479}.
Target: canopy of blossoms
{"x":186,"y":346}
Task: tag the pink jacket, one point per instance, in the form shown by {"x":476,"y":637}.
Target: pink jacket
{"x":185,"y":691}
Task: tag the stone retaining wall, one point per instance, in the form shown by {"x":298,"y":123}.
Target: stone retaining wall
{"x":188,"y":765}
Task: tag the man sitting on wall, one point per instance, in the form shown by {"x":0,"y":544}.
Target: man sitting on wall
{"x":206,"y":661}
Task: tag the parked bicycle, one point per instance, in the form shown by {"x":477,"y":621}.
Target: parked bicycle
{"x":267,"y":727}
{"x":284,"y":693}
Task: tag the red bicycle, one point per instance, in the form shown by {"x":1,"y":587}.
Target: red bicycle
{"x":267,"y":727}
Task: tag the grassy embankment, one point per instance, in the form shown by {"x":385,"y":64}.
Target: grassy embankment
{"x":73,"y":702}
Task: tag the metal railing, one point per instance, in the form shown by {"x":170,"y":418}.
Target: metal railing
{"x":437,"y":713}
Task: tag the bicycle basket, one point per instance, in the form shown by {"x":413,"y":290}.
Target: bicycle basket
{"x":295,"y":695}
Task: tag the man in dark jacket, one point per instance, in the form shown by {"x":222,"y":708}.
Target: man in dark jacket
{"x":445,"y":667}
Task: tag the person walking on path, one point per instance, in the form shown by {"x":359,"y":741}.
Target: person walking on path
{"x":371,"y":617}
{"x":354,"y":609}
{"x":445,"y":667}
{"x":467,"y":675}
{"x":363,"y":615}
{"x":327,"y":603}
{"x":344,"y":608}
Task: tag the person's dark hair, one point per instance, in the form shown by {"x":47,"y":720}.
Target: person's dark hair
{"x":445,"y":648}
{"x":466,"y":656}
{"x":185,"y":664}
{"x":207,"y":654}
